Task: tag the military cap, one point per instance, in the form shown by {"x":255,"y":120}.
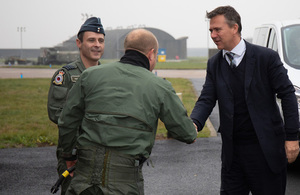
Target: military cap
{"x":92,"y":24}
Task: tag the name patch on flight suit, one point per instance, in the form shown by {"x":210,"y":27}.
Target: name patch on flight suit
{"x":58,"y":80}
{"x":74,"y":78}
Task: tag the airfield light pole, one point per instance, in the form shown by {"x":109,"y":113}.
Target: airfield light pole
{"x":21,"y":30}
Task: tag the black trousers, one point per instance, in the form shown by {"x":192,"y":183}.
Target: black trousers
{"x":250,"y":172}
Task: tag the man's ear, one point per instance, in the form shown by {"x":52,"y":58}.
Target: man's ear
{"x":78,"y":43}
{"x":152,"y":59}
{"x":151,"y":55}
{"x":236,"y":28}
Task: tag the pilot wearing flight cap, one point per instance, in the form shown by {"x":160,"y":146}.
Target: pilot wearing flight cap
{"x":90,"y":42}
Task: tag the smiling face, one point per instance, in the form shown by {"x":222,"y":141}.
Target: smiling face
{"x":91,"y":48}
{"x":224,"y":36}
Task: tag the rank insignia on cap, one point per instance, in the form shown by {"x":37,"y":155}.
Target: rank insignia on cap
{"x":59,"y":78}
{"x":92,"y":24}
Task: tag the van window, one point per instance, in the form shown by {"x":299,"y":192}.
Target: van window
{"x":261,"y":35}
{"x":272,"y":42}
{"x":275,"y":44}
{"x":291,"y":45}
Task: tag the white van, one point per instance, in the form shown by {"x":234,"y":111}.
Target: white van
{"x":283,"y":37}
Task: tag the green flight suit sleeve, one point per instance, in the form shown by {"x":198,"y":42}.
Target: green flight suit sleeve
{"x":58,"y":91}
{"x":71,"y":118}
{"x":174,"y":116}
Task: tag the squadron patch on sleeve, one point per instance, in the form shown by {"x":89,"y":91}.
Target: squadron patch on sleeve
{"x":58,"y":80}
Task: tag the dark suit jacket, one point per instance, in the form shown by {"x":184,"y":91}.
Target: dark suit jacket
{"x":265,"y":77}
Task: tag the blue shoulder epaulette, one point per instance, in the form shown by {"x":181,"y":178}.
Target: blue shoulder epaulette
{"x":69,"y":67}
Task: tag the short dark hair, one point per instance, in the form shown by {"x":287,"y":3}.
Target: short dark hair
{"x":80,"y":36}
{"x":231,"y":15}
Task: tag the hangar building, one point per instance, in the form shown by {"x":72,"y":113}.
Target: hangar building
{"x":114,"y":44}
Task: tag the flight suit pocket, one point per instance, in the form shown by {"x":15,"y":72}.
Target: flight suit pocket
{"x":60,"y":92}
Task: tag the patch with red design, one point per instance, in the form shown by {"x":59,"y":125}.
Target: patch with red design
{"x":58,"y":80}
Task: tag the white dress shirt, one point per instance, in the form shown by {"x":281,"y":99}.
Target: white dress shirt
{"x":239,"y":52}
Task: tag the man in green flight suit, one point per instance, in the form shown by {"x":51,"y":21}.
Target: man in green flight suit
{"x":118,"y":106}
{"x":90,"y":41}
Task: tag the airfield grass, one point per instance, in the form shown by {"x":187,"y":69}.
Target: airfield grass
{"x":23,"y":112}
{"x":189,"y":63}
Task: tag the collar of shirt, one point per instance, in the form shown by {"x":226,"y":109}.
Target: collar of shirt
{"x":239,"y":52}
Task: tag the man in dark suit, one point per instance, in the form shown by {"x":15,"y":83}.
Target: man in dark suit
{"x":245,"y":80}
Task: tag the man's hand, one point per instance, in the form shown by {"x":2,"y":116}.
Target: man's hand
{"x":292,"y":150}
{"x":71,"y":164}
{"x":196,"y":127}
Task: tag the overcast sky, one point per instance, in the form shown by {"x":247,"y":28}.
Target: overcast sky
{"x":50,"y":22}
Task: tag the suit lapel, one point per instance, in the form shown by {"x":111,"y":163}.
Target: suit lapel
{"x":250,"y":67}
{"x":224,"y":72}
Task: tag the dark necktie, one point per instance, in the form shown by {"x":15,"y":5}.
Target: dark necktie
{"x":230,"y":57}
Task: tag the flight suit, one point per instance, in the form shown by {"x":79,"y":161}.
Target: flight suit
{"x":61,"y":82}
{"x":117,"y":106}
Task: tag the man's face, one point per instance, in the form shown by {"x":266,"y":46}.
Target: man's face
{"x":223,"y":35}
{"x":92,"y":46}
